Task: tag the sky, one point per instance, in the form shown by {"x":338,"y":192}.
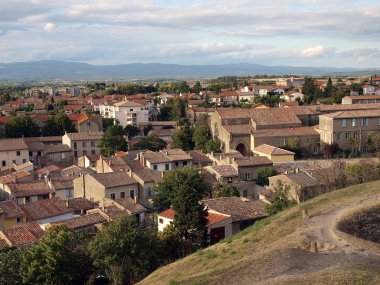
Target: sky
{"x":331,"y":33}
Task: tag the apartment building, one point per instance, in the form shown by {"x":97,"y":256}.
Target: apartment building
{"x":83,"y":143}
{"x":126,"y":112}
{"x":349,"y":129}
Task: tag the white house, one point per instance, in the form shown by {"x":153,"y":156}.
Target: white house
{"x":368,"y":89}
{"x":126,"y":112}
{"x":166,"y":159}
{"x":292,"y":96}
{"x":246,"y":96}
{"x":219,"y":225}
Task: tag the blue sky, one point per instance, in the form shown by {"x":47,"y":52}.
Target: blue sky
{"x":298,"y":33}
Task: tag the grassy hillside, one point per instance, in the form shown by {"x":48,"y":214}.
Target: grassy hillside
{"x":276,"y":250}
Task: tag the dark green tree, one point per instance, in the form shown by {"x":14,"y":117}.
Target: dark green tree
{"x":52,"y":260}
{"x":21,"y":126}
{"x":197,"y":87}
{"x":201,"y":136}
{"x":57,"y":125}
{"x":147,"y":129}
{"x":183,"y":138}
{"x":131,"y":131}
{"x":264,"y":173}
{"x":152,"y":143}
{"x":329,"y":88}
{"x":10,"y":261}
{"x":179,"y":109}
{"x":226,"y":190}
{"x":107,"y":122}
{"x":125,"y":251}
{"x":168,"y":188}
{"x":113,"y":140}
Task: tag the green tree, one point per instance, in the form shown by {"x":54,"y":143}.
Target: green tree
{"x":57,"y":125}
{"x":185,"y":177}
{"x":152,"y":143}
{"x":21,"y":126}
{"x":212,"y":146}
{"x":52,"y":260}
{"x":182,"y":138}
{"x":113,"y":140}
{"x":107,"y":122}
{"x":10,"y":260}
{"x":190,"y":218}
{"x":227,"y":190}
{"x":131,"y":131}
{"x":329,"y":88}
{"x":281,"y":199}
{"x":125,"y":251}
{"x":373,"y":141}
{"x":264,"y":173}
{"x":197,"y":87}
{"x":201,"y":136}
{"x":179,"y":109}
{"x":147,"y":129}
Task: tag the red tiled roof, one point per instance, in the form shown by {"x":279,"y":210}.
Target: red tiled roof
{"x":23,"y":234}
{"x":72,"y":107}
{"x":229,"y":93}
{"x":45,"y":208}
{"x":49,"y":168}
{"x":27,"y":189}
{"x":83,"y":221}
{"x":212,"y":218}
{"x":4,"y":120}
{"x":11,"y":210}
{"x":42,"y":117}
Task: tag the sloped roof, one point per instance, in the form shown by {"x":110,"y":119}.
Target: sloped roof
{"x":224,"y":170}
{"x":11,"y":210}
{"x":45,"y":208}
{"x":286,"y":132}
{"x":127,"y":103}
{"x":113,"y":179}
{"x":12,"y":144}
{"x":85,"y":136}
{"x":275,"y":116}
{"x":252,"y":161}
{"x":129,"y":204}
{"x":32,"y":188}
{"x":354,"y":114}
{"x":81,"y":222}
{"x":237,"y":208}
{"x":272,"y":150}
{"x":23,"y":234}
{"x":57,"y":148}
{"x":61,"y":183}
{"x":199,"y":157}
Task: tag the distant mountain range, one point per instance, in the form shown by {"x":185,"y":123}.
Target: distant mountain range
{"x":62,"y":70}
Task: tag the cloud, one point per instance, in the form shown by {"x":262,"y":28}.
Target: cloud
{"x":49,"y":27}
{"x":318,"y":50}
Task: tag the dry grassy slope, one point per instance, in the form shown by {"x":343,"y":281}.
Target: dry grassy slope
{"x":277,"y":250}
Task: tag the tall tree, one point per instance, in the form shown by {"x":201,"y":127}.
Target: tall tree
{"x":57,"y":125}
{"x":168,"y":187}
{"x":179,"y":109}
{"x":52,"y":260}
{"x":329,"y":88}
{"x":263,"y":174}
{"x":197,"y":87}
{"x":280,"y":198}
{"x":21,"y":126}
{"x":125,"y":251}
{"x":113,"y":140}
{"x":227,"y":190}
{"x":183,"y":137}
{"x":10,"y":261}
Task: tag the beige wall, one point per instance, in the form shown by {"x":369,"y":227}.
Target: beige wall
{"x":94,"y":191}
{"x":276,"y":158}
{"x":88,"y":126}
{"x":11,"y":157}
{"x":89,"y":147}
{"x":349,"y":137}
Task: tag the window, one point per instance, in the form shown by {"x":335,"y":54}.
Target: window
{"x":92,"y":144}
{"x":18,"y":153}
{"x":131,"y":110}
{"x":14,"y":161}
{"x":154,"y":166}
{"x":85,"y":152}
{"x":30,"y":153}
{"x":93,"y":152}
{"x":132,"y":194}
{"x":354,"y":122}
{"x":75,"y":153}
{"x":75,"y":145}
{"x":113,"y":196}
{"x":247,"y":176}
{"x":122,"y":195}
{"x":166,"y":166}
{"x":84,"y":144}
{"x":150,"y":192}
{"x":338,"y":137}
{"x":19,"y":220}
{"x":315,"y":149}
{"x":347,"y":136}
{"x":27,"y":199}
{"x":229,"y":180}
{"x":24,"y":160}
{"x":176,"y":163}
{"x":245,"y":193}
{"x":3,"y":163}
{"x":161,"y":221}
{"x":356,"y":135}
{"x":69,"y":193}
{"x":39,"y":153}
{"x":364,"y":122}
{"x":184,"y":163}
{"x":88,"y":124}
{"x":344,"y":123}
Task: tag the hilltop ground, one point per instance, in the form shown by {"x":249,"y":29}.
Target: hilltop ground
{"x":302,"y":245}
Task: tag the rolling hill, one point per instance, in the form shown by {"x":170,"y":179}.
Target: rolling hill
{"x":289,"y":248}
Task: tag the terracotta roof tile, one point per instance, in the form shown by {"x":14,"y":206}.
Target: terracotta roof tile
{"x":83,"y":222}
{"x":24,"y":234}
{"x":31,"y":188}
{"x":130,"y":206}
{"x":45,"y":208}
{"x":212,"y":218}
{"x":12,"y":144}
{"x":113,"y":179}
{"x":268,"y":149}
{"x":86,"y":136}
{"x":252,"y":161}
{"x":78,"y":204}
{"x":11,"y":210}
